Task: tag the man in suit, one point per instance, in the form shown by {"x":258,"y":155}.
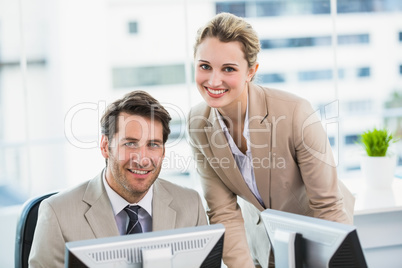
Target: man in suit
{"x":134,"y":132}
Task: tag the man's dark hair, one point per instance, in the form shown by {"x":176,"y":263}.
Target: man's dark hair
{"x":135,"y":103}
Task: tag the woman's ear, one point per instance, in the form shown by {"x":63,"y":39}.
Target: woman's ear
{"x":252,"y":71}
{"x":104,"y":146}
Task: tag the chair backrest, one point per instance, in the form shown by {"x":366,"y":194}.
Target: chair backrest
{"x":25,"y":230}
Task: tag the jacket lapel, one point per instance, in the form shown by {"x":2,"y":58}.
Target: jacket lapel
{"x":261,"y":138}
{"x":163,"y":215}
{"x":222,"y":154}
{"x":100,"y":214}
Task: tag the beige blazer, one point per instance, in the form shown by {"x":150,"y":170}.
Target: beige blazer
{"x":85,"y":212}
{"x":293,"y":165}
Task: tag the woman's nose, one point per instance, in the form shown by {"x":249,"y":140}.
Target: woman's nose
{"x":215,"y":79}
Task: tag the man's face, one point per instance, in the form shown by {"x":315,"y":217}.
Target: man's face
{"x":135,"y":156}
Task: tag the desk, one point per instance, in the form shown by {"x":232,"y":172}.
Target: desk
{"x":378,"y":219}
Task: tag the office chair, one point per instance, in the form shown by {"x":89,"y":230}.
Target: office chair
{"x":25,"y":230}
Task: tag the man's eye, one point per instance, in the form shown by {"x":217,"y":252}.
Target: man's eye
{"x":131,"y":144}
{"x":154,"y":145}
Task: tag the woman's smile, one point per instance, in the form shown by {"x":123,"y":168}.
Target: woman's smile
{"x":216,"y":92}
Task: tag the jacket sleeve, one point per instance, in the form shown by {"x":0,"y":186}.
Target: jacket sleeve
{"x":202,"y":218}
{"x":223,"y":208}
{"x":328,"y":198}
{"x":48,"y":244}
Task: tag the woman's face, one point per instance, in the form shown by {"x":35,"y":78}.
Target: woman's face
{"x":222,"y":73}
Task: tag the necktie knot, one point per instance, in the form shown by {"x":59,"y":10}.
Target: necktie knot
{"x":134,"y":225}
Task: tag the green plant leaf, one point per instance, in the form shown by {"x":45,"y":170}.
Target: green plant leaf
{"x":376,"y":141}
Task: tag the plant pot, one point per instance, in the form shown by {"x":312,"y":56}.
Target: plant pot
{"x":378,"y":171}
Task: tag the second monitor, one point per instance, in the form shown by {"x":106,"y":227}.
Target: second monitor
{"x":302,"y":241}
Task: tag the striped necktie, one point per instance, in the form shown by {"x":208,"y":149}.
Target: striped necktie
{"x":134,"y":225}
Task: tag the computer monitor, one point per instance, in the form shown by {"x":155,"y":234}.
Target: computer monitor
{"x":302,"y":241}
{"x":199,"y":246}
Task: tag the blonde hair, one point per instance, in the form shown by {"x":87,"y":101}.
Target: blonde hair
{"x":228,"y":28}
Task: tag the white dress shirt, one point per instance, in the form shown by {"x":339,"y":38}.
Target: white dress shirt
{"x":119,"y":203}
{"x":243,"y":161}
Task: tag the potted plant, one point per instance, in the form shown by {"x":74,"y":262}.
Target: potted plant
{"x":378,"y":165}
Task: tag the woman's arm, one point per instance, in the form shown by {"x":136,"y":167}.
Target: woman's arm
{"x":223,"y":208}
{"x":328,"y":198}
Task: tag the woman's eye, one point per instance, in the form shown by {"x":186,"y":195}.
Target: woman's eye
{"x":229,"y":69}
{"x":205,"y":67}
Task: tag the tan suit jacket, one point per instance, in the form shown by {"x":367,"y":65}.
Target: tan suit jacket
{"x":293,"y":166}
{"x":85,"y":212}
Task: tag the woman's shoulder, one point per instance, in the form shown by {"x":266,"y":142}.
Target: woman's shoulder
{"x":280,"y":102}
{"x":198,"y":115}
{"x":278,"y":94}
{"x":201,"y":108}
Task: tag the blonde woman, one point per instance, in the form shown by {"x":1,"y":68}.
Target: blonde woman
{"x":263,"y":145}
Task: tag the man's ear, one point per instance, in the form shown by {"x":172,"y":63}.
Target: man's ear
{"x":104,"y":146}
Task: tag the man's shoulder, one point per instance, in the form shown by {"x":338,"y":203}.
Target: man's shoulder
{"x":73,"y":194}
{"x":68,"y":195}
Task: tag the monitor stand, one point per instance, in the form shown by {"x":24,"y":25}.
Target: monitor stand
{"x":288,"y":250}
{"x":157,"y":257}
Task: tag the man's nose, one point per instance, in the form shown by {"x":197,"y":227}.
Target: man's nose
{"x":140,"y":157}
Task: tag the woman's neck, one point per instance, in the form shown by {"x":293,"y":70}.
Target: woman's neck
{"x":235,"y":112}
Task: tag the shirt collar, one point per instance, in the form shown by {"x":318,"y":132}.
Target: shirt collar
{"x":119,"y":203}
{"x":246,"y":132}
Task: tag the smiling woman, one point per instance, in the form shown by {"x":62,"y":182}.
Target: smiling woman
{"x":246,"y":124}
